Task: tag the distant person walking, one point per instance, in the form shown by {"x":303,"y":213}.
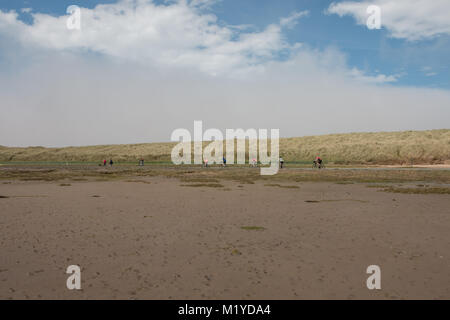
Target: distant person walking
{"x":206,"y":163}
{"x":281,"y":162}
{"x":111,"y":162}
{"x":104,"y":163}
{"x":224,"y":161}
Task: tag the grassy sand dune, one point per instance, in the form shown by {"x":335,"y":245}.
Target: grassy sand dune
{"x":407,"y":147}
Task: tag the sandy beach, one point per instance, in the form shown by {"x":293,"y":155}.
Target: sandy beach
{"x":160,"y":238}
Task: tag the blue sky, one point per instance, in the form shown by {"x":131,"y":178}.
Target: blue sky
{"x":423,"y":63}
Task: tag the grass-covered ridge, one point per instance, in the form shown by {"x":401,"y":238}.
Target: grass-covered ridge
{"x":407,"y":147}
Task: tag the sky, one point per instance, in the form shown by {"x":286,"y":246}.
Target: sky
{"x":136,"y":70}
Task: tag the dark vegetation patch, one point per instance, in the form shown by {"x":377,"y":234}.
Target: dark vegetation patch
{"x":139,"y":181}
{"x":336,"y":200}
{"x":236,"y":252}
{"x":206,"y":185}
{"x":281,"y":186}
{"x":199,"y":180}
{"x":419,"y":190}
{"x":377,"y":186}
{"x":253,"y":228}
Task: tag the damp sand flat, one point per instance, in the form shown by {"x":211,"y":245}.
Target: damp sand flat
{"x":153,"y":238}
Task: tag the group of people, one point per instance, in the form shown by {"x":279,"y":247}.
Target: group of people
{"x":224,"y":162}
{"x":110,"y":162}
{"x":254,"y":163}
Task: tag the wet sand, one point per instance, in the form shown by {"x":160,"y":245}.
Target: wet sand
{"x":156,"y":239}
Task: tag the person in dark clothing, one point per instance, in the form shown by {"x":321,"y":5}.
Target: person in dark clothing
{"x":281,"y":162}
{"x":111,"y":162}
{"x":319,"y":162}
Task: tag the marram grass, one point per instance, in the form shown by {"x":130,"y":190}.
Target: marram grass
{"x":407,"y":147}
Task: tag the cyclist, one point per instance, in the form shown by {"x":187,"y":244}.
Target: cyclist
{"x":319,"y":162}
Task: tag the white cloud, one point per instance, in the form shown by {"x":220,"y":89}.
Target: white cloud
{"x":175,"y":34}
{"x":292,"y":20}
{"x":73,"y":100}
{"x":428,"y":71}
{"x":380,"y":78}
{"x":407,"y":19}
